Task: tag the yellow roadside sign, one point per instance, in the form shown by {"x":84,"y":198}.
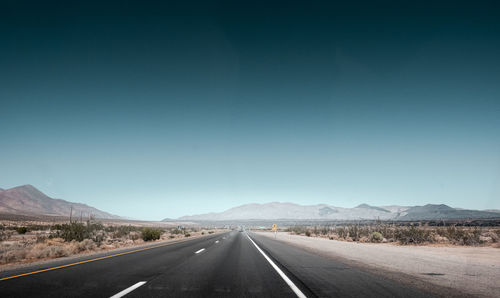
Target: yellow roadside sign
{"x":275,"y":227}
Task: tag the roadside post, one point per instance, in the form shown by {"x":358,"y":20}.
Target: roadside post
{"x":275,"y":229}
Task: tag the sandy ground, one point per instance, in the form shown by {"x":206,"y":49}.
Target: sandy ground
{"x":471,"y":270}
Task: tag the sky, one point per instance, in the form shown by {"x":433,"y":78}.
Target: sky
{"x":156,"y":109}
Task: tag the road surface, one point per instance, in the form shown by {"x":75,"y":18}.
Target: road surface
{"x":232,"y":264}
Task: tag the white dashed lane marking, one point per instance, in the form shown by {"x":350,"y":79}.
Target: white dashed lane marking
{"x":128,"y":290}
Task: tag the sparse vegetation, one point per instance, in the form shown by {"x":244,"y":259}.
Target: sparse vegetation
{"x":149,"y":234}
{"x":404,"y":233}
{"x":30,"y":241}
{"x":22,"y":230}
{"x":376,"y":237}
{"x":177,"y":231}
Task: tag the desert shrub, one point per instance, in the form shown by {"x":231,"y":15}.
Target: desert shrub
{"x":177,"y":231}
{"x":38,"y":227}
{"x":203,"y":233}
{"x":55,"y":251}
{"x":210,"y":232}
{"x":341,"y":232}
{"x":22,"y":230}
{"x":187,"y":235}
{"x":171,"y":236}
{"x":461,"y":235}
{"x":41,"y":239}
{"x":364,"y":232}
{"x":73,"y":231}
{"x":78,"y":231}
{"x":78,"y":247}
{"x":94,"y":226}
{"x":412,"y":235}
{"x":13,"y":255}
{"x":134,"y":235}
{"x":86,"y":245}
{"x":354,"y":233}
{"x":43,"y":250}
{"x":4,"y":235}
{"x":308,"y":233}
{"x":149,"y":234}
{"x":494,"y":236}
{"x":376,"y":237}
{"x":98,"y":237}
{"x":472,"y":237}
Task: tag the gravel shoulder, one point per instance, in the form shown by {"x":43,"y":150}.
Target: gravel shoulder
{"x":473,"y":271}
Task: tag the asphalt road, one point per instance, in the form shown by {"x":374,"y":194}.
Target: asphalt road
{"x":232,"y":264}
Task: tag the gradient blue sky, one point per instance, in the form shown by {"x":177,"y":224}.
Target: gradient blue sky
{"x":154,"y":110}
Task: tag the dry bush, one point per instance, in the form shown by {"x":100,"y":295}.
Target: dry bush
{"x":149,"y":234}
{"x":494,"y":236}
{"x":376,"y":237}
{"x":48,"y":250}
{"x":13,"y":256}
{"x":134,"y":236}
{"x":85,"y":245}
{"x":461,"y":235}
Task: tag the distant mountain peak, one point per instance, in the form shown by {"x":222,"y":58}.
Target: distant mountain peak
{"x":366,"y":206}
{"x":438,"y":206}
{"x":28,"y":200}
{"x":433,"y":207}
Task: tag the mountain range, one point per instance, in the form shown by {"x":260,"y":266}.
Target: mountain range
{"x":290,"y":211}
{"x":27,"y":200}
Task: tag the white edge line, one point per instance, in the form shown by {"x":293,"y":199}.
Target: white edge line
{"x":128,"y":290}
{"x":294,"y":288}
{"x":197,"y":252}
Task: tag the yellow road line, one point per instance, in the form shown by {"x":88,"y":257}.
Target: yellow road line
{"x":93,"y":260}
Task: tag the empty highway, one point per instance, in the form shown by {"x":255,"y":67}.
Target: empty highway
{"x":233,"y":264}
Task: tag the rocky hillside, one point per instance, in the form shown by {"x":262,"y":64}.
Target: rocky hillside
{"x":27,"y":200}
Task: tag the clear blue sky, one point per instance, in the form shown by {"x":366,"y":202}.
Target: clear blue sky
{"x":164,"y":110}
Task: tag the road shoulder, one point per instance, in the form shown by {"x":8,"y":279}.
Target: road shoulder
{"x":443,"y":272}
